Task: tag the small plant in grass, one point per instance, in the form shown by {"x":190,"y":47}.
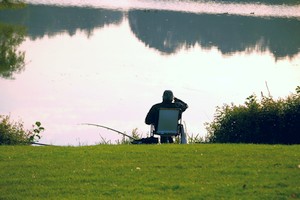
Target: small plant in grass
{"x":34,"y":135}
{"x":135,"y":134}
{"x":104,"y":141}
{"x":125,"y":140}
{"x":14,"y":133}
{"x":195,"y":139}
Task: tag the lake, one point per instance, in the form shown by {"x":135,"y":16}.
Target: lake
{"x":107,"y":62}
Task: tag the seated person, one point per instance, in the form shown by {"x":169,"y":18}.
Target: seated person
{"x":169,"y":101}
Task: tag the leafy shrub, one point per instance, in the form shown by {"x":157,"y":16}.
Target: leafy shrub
{"x":268,"y":121}
{"x":13,"y":133}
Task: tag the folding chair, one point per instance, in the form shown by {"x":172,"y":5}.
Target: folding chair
{"x":168,"y":124}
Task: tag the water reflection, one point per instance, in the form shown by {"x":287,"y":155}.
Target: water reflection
{"x":11,"y":59}
{"x":261,"y":8}
{"x":44,"y":20}
{"x":169,"y":31}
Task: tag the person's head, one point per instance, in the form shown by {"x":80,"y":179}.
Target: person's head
{"x":168,"y":96}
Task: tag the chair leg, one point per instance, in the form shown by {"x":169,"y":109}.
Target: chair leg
{"x":183,"y":139}
{"x":170,"y":139}
{"x":151,"y":130}
{"x":163,"y":139}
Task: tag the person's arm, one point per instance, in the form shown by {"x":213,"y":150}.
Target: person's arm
{"x":150,"y":118}
{"x":183,"y":106}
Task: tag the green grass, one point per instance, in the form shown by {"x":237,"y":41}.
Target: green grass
{"x":200,"y":171}
{"x":12,"y":5}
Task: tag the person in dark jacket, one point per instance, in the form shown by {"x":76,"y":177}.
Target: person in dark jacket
{"x":169,"y":101}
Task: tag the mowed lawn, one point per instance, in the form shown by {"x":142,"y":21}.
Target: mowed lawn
{"x":171,"y":171}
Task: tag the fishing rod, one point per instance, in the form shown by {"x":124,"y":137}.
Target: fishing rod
{"x":108,"y":128}
{"x":41,"y":144}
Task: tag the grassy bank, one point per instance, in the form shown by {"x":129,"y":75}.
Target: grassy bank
{"x":211,"y":171}
{"x":11,"y":5}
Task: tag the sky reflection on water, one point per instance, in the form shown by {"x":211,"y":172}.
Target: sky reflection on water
{"x":199,"y":7}
{"x":113,"y":76}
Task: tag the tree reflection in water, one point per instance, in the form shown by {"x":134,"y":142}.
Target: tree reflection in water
{"x":11,"y":59}
{"x":170,"y":31}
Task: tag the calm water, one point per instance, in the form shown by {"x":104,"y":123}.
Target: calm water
{"x":108,"y":63}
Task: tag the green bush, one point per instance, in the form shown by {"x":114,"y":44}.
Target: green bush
{"x":13,"y":133}
{"x":268,"y":121}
